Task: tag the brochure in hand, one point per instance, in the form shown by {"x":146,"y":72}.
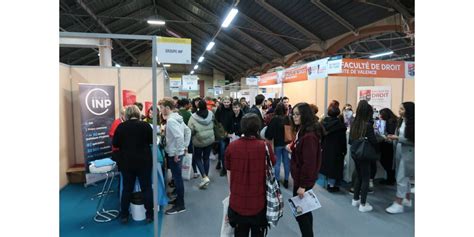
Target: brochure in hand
{"x":308,"y":203}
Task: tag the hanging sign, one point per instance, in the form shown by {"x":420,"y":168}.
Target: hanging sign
{"x":410,"y":70}
{"x":218,"y":90}
{"x":295,"y":74}
{"x":372,"y":68}
{"x":128,"y":97}
{"x":190,"y":83}
{"x":334,"y":65}
{"x":175,"y":83}
{"x":317,"y":69}
{"x":97,"y":104}
{"x":173,"y":50}
{"x":268,"y":79}
{"x":378,"y":96}
{"x":251,"y":81}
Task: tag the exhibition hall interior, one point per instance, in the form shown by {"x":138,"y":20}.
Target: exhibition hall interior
{"x":236,"y":118}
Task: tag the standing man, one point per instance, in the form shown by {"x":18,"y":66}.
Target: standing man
{"x":177,"y":136}
{"x":286,"y":102}
{"x":257,"y":108}
{"x":244,"y":104}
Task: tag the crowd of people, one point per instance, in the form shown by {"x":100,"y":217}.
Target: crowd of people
{"x":242,"y":137}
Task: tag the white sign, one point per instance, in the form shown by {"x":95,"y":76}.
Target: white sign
{"x":175,"y":82}
{"x":251,"y":81}
{"x":173,"y":50}
{"x":317,"y":69}
{"x":410,"y":70}
{"x":334,"y":65}
{"x":190,"y":83}
{"x":218,"y":90}
{"x":378,"y":96}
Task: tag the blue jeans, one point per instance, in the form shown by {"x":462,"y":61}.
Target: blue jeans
{"x":201,"y":156}
{"x":282,"y":154}
{"x":222,"y":146}
{"x":175,"y":168}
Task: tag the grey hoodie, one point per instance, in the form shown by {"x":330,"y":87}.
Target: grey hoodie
{"x":178,"y":135}
{"x":202,"y":129}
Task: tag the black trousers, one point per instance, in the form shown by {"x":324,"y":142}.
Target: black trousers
{"x":256,"y":225}
{"x":373,"y":169}
{"x":129,"y":177}
{"x":305,"y":221}
{"x":361,"y":184}
{"x":387,"y":161}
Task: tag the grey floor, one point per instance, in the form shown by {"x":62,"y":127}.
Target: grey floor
{"x":337,"y":217}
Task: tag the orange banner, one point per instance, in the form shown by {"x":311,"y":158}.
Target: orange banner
{"x":372,"y":68}
{"x":268,"y":79}
{"x":296,"y":74}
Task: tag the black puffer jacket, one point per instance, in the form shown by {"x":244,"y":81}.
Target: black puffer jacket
{"x":334,"y":146}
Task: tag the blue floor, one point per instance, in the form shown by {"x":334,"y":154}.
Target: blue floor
{"x":204,"y":214}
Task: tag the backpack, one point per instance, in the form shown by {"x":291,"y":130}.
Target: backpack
{"x":219,"y":131}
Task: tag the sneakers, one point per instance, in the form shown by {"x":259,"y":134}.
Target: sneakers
{"x":406,"y":202}
{"x":218,"y":166}
{"x":204,"y":182}
{"x":351,"y":190}
{"x":175,"y":210}
{"x":223,"y":172}
{"x":395,"y":208}
{"x":355,"y":203}
{"x":365,"y":208}
{"x":285,"y":184}
{"x":195,"y":175}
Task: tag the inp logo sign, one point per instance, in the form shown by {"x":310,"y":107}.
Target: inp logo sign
{"x":98,"y":101}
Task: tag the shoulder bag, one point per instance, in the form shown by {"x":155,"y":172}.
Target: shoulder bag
{"x":273,"y":193}
{"x":361,"y":149}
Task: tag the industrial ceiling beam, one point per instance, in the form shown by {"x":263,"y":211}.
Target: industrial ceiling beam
{"x":243,"y":48}
{"x":288,"y":20}
{"x":335,"y":16}
{"x":103,"y":26}
{"x":257,"y":42}
{"x":197,"y":31}
{"x":401,"y":8}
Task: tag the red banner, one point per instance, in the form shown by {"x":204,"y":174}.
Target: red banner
{"x":128,"y":97}
{"x":268,"y":79}
{"x":372,"y":68}
{"x":295,"y":74}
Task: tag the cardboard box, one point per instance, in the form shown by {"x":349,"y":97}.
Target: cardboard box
{"x":76,"y":175}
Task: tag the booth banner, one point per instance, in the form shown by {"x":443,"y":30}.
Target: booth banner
{"x":410,"y":70}
{"x":190,"y":83}
{"x":128,"y":97}
{"x":175,"y":83}
{"x":173,"y":50}
{"x":210,"y":90}
{"x":378,"y":96}
{"x":251,"y":81}
{"x":372,"y":68}
{"x":317,"y":69}
{"x":268,"y":79}
{"x":334,"y":65}
{"x":295,"y":74}
{"x":148,"y":105}
{"x":97,"y":115}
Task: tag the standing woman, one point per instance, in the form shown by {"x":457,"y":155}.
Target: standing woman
{"x":245,"y":161}
{"x":363,"y":126}
{"x":305,"y":158}
{"x":405,"y":157}
{"x":386,"y":148}
{"x":133,"y":139}
{"x":334,"y":147}
{"x":276,"y":132}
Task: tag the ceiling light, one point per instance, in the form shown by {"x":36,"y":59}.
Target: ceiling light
{"x":381,"y":54}
{"x":228,"y":19}
{"x":192,"y":72}
{"x":201,"y":59}
{"x":156,"y":22}
{"x":195,"y":67}
{"x":98,"y":54}
{"x":167,"y":65}
{"x":210,"y":45}
{"x":117,"y":65}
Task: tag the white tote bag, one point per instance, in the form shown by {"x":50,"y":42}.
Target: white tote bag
{"x":186,"y":168}
{"x":226,"y":229}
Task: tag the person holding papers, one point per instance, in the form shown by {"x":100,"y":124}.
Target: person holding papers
{"x":305,"y":158}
